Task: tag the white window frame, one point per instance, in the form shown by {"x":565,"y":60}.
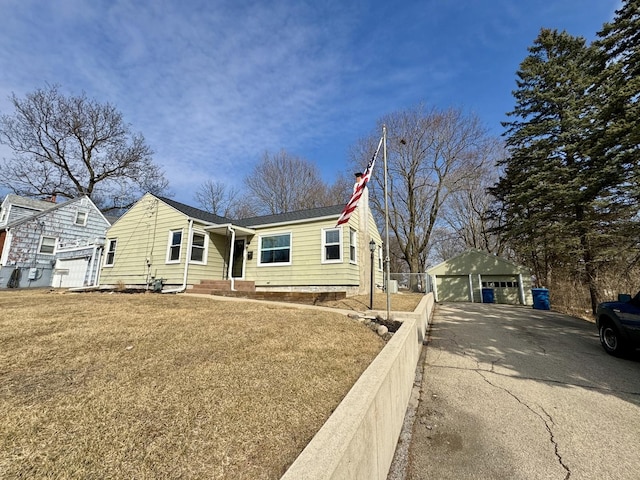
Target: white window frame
{"x":55,"y":245}
{"x":205,"y":248}
{"x":353,"y":246}
{"x":171,"y":245}
{"x":78,"y":214}
{"x":380,"y":259}
{"x":325,"y":245}
{"x":110,"y":251}
{"x":275,"y":264}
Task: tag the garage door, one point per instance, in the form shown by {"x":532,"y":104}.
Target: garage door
{"x":69,"y":273}
{"x":505,"y":288}
{"x":453,"y":288}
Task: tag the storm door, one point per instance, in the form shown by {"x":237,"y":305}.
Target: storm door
{"x":238,"y":258}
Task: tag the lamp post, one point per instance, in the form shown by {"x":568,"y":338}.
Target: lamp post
{"x":372,"y":248}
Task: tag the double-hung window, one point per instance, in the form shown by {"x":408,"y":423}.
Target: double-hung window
{"x":331,"y":246}
{"x":111,"y":252}
{"x":174,"y":245}
{"x":81,"y":218}
{"x":275,"y":249}
{"x":47,"y":245}
{"x":353,"y":246}
{"x":198,"y":248}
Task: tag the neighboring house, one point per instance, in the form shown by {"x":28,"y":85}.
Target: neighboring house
{"x":15,"y":207}
{"x":47,"y":244}
{"x":161,"y":242}
{"x":462,"y":278}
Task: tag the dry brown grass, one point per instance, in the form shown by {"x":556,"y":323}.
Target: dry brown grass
{"x":164,"y":386}
{"x":400,"y":302}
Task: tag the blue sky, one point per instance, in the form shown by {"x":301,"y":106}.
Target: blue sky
{"x":213,"y":84}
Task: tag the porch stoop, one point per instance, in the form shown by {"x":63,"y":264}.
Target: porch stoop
{"x":217,"y":286}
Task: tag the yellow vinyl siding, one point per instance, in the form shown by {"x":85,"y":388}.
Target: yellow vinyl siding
{"x":306,"y":258}
{"x":218,"y":250}
{"x":142,"y":233}
{"x":374,"y":233}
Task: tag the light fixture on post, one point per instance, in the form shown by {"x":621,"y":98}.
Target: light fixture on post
{"x":372,"y":248}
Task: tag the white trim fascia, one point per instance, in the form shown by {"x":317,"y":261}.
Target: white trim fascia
{"x":294,"y":222}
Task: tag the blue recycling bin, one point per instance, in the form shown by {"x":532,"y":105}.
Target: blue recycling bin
{"x":541,"y":299}
{"x":488,"y":295}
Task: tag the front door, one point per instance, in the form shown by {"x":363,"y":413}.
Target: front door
{"x":238,"y":258}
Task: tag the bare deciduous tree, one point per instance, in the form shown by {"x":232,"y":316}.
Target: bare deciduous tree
{"x":218,"y":198}
{"x":283,"y":183}
{"x":431,"y":154}
{"x":72,"y":146}
{"x":466,"y":213}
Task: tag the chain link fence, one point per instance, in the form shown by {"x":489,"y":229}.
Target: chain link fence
{"x":410,"y":282}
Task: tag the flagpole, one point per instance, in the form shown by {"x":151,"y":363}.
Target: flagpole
{"x":387,"y":259}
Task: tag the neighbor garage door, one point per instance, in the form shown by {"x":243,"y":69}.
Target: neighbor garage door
{"x":69,"y":273}
{"x":453,"y":288}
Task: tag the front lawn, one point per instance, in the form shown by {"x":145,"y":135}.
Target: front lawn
{"x":165,"y":386}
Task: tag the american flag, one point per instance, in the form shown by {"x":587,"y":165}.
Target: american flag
{"x":358,"y":189}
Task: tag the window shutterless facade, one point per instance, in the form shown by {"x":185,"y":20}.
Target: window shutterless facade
{"x":198,"y":248}
{"x":174,"y":246}
{"x":353,"y":246}
{"x":47,"y":245}
{"x":275,"y":249}
{"x":331,"y":246}
{"x":81,"y":218}
{"x":111,"y":252}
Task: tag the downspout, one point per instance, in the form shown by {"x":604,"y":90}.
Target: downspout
{"x":92,"y":266}
{"x":183,"y":287}
{"x":471,"y":288}
{"x":231,"y":253}
{"x":99,"y":266}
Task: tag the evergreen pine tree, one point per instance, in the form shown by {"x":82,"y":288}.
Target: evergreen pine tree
{"x":540,"y":191}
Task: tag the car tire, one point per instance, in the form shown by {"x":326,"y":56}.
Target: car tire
{"x":611,"y":340}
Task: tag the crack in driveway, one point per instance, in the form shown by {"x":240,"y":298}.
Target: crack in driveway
{"x":545,"y":421}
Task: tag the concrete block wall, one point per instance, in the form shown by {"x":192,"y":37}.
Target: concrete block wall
{"x":359,"y":439}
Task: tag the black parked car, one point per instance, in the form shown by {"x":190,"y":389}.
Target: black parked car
{"x":619,"y":325}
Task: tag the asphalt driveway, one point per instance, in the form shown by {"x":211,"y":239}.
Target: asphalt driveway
{"x":515,"y":393}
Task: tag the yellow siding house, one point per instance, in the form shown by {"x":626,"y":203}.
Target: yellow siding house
{"x":162,"y":244}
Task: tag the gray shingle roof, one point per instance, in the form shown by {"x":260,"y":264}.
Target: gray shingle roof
{"x":26,"y":202}
{"x":195,"y":213}
{"x":333,"y":211}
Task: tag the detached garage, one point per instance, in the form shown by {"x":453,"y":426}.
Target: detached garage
{"x":463,"y":278}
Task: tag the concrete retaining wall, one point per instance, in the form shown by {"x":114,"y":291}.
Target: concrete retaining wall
{"x":358,"y":441}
